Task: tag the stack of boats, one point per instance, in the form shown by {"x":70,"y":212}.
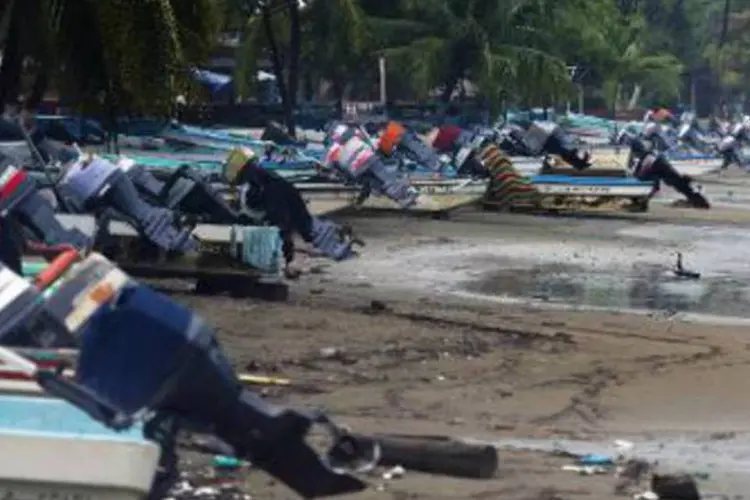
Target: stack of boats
{"x":167,"y":147}
{"x":177,"y":144}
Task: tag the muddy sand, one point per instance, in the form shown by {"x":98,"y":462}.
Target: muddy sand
{"x":385,"y":346}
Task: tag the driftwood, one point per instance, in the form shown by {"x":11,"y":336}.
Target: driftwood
{"x":437,"y":455}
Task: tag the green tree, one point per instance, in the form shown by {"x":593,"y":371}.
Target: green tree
{"x":496,"y":45}
{"x":337,"y":37}
{"x":134,"y":52}
{"x":630,"y":66}
{"x":271,"y":30}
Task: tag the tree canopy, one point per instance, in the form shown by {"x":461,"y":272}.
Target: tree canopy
{"x":137,"y":54}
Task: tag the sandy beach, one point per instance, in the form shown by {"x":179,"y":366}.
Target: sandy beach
{"x":429,"y":332}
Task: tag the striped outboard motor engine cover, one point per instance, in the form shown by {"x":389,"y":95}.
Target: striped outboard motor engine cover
{"x":362,"y":164}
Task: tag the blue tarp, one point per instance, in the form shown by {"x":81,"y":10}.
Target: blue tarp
{"x":214,"y":81}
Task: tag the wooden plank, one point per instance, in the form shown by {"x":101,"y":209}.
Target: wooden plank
{"x":213,"y":266}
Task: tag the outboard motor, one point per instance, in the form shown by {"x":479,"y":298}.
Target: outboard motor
{"x":717,"y":127}
{"x":144,"y":358}
{"x":184,"y":191}
{"x":548,"y":138}
{"x":99,"y":185}
{"x":688,"y":132}
{"x":510,"y":140}
{"x":730,"y":146}
{"x":20,"y":200}
{"x":357,"y":160}
{"x":397,"y":139}
{"x":25,"y":320}
{"x":654,"y":129}
{"x":275,"y":133}
{"x":11,"y":245}
{"x":650,"y":166}
{"x":267,"y":198}
{"x":464,"y":148}
{"x":447,"y":139}
{"x":654,"y":133}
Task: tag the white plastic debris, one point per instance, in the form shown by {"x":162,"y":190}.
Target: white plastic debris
{"x":205,"y":491}
{"x":182,"y":487}
{"x":585,"y":470}
{"x":623,"y":445}
{"x":396,"y":472}
{"x":646,"y":495}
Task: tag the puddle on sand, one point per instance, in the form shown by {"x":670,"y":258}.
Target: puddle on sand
{"x":648,"y":287}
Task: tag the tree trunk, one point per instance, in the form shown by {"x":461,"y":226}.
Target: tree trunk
{"x":634,"y":98}
{"x":278,"y":70}
{"x":12,"y":64}
{"x":725,"y":22}
{"x":338,"y":93}
{"x":450,"y":86}
{"x":38,"y":89}
{"x":308,"y":87}
{"x":111,"y":108}
{"x":295,"y":48}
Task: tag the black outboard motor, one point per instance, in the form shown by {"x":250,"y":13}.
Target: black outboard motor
{"x":510,"y":140}
{"x":548,"y":138}
{"x":185,"y":191}
{"x":99,"y":185}
{"x":146,"y":358}
{"x":467,"y":150}
{"x":268,"y":198}
{"x":655,"y":134}
{"x":649,"y":166}
{"x":21,"y":201}
{"x":275,"y":133}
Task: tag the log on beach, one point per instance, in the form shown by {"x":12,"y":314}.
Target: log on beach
{"x":436,"y":455}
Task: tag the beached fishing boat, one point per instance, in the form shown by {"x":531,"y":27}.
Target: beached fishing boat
{"x":60,"y":452}
{"x":696,"y":166}
{"x":437,"y":195}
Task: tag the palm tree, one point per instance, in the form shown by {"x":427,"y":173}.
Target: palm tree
{"x":497,"y":45}
{"x":137,"y":54}
{"x":271,"y":29}
{"x":630,"y":64}
{"x":336,"y":42}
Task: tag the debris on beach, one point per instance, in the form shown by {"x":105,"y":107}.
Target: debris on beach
{"x":681,"y":272}
{"x":223,"y":479}
{"x":675,"y":487}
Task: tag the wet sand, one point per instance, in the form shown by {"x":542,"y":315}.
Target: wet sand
{"x":427,"y":360}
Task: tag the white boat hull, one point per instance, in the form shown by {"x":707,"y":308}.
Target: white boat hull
{"x":601,"y":191}
{"x":59,"y":452}
{"x":435,"y":195}
{"x":692,"y":168}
